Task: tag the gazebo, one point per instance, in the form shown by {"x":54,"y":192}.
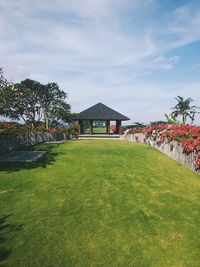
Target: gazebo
{"x":97,"y":120}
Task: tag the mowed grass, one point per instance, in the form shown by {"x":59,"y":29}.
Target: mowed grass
{"x":100,"y":130}
{"x":100,"y":203}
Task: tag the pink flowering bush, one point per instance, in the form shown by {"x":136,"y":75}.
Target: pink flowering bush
{"x":132,"y":131}
{"x":73,"y":129}
{"x":122,"y":130}
{"x":188,"y":136}
{"x":113,"y":128}
{"x":9,"y":130}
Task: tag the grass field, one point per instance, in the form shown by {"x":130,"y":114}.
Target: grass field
{"x":100,"y":203}
{"x":100,"y":130}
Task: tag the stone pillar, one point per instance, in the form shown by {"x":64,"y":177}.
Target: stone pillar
{"x":108,"y":127}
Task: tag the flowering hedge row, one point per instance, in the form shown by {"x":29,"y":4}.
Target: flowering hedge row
{"x":9,"y":129}
{"x":188,"y":136}
{"x":132,"y":130}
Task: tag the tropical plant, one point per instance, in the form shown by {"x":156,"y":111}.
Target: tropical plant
{"x":171,"y":119}
{"x":184,"y":109}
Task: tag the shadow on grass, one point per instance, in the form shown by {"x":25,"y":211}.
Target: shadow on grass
{"x":6,"y":230}
{"x":44,"y":161}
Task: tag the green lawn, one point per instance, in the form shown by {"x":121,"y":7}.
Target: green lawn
{"x":100,"y":203}
{"x":100,"y":130}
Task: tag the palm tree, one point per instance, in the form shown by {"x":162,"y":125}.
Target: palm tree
{"x":184,"y":109}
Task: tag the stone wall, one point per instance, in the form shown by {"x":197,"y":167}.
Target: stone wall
{"x":173,"y":150}
{"x":21,"y":142}
{"x":138,"y":137}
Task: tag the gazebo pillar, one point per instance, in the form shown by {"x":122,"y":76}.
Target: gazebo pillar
{"x":80,"y":127}
{"x":91,"y":126}
{"x":108,"y":127}
{"x":118,"y":126}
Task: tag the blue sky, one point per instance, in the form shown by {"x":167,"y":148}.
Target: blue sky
{"x":134,"y":56}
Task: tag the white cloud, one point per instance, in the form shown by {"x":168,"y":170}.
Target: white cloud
{"x":166,"y":63}
{"x":97,"y":50}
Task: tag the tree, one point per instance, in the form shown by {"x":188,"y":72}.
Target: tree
{"x":60,"y":114}
{"x":73,"y":117}
{"x":184,"y":109}
{"x":138,"y":124}
{"x":3,"y":81}
{"x":53,"y":102}
{"x":153,"y":123}
{"x":3,"y":92}
{"x":21,"y":101}
{"x":34,"y":102}
{"x":135,"y":125}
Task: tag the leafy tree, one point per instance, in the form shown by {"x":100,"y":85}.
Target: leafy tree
{"x":60,"y":114}
{"x":7,"y":102}
{"x":73,"y":117}
{"x":33,"y":102}
{"x":3,"y":93}
{"x":21,"y":101}
{"x":184,"y":109}
{"x":3,"y":81}
{"x":54,"y":106}
{"x":153,"y":123}
{"x":135,"y":125}
{"x":138,"y":124}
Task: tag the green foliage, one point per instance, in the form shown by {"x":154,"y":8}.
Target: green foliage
{"x":8,"y":130}
{"x":73,"y":129}
{"x":3,"y":81}
{"x":12,"y":129}
{"x":158,"y":123}
{"x":172,"y":119}
{"x":4,"y":93}
{"x":184,"y":109}
{"x":72,"y":117}
{"x":135,"y":125}
{"x":34,"y":102}
{"x":22,"y":101}
{"x":54,"y":105}
{"x":100,"y":203}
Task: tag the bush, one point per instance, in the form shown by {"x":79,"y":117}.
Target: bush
{"x":11,"y":129}
{"x":188,"y":136}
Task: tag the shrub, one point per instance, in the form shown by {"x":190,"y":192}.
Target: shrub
{"x":188,"y":136}
{"x":10,"y":129}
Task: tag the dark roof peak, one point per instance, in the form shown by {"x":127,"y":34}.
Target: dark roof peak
{"x":100,"y":111}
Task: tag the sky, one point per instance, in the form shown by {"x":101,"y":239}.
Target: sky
{"x":134,"y":56}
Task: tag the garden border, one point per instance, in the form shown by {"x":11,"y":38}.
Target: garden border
{"x":173,"y":149}
{"x":22,"y":142}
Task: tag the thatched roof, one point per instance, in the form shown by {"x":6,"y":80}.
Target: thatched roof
{"x":100,"y":112}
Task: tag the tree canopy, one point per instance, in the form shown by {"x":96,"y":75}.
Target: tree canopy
{"x":3,"y":81}
{"x":34,"y":102}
